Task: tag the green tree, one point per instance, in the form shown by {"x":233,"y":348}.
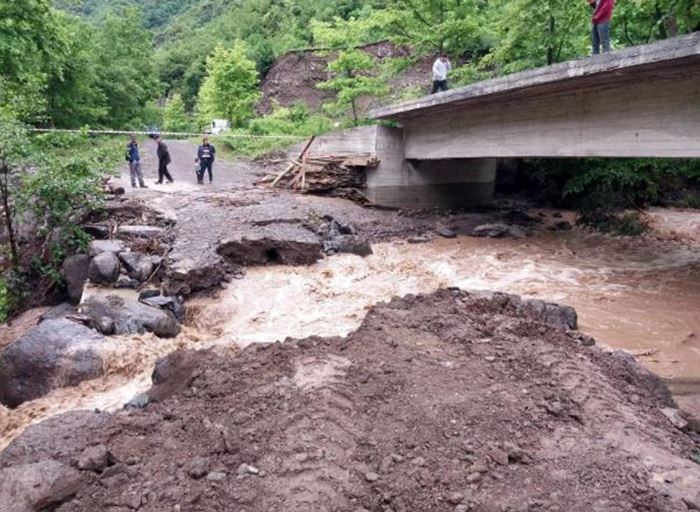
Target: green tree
{"x":352,"y":78}
{"x":354,"y":74}
{"x":230,"y":89}
{"x":127,"y":74}
{"x":175,"y":118}
{"x":455,"y":26}
{"x":12,"y":154}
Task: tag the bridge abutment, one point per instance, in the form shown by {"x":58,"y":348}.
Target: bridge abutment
{"x":416,"y":183}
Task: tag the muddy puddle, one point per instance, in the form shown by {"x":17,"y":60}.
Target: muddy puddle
{"x":641,"y":295}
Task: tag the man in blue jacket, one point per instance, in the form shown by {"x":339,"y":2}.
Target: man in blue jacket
{"x":206,"y":154}
{"x":134,"y":158}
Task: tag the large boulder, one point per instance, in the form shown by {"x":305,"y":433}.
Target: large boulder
{"x":39,"y":486}
{"x":138,"y":266}
{"x":129,"y":316}
{"x":54,"y":354}
{"x":75,"y":272}
{"x":104,"y":268}
{"x":100,"y":246}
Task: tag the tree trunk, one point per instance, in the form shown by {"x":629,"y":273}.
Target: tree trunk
{"x":550,"y":42}
{"x":9,"y":225}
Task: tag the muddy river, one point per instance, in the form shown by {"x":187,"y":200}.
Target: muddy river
{"x":641,"y":295}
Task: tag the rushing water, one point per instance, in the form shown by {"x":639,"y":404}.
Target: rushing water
{"x":637,"y":294}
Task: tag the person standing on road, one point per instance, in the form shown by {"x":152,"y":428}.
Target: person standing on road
{"x":206,"y":155}
{"x":163,"y":161}
{"x":600,"y":30}
{"x":441,"y":68}
{"x":134,"y":158}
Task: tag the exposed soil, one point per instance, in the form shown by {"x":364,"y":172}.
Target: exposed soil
{"x":294,"y":76}
{"x":441,"y":402}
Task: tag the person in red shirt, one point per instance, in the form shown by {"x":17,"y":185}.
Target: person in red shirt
{"x":600,"y":33}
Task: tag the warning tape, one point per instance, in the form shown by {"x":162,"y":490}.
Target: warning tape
{"x":166,"y":134}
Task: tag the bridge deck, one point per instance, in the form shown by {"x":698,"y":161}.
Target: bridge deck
{"x":677,"y":56}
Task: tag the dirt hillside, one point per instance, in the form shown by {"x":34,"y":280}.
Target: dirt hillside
{"x":444,"y":402}
{"x":294,"y":76}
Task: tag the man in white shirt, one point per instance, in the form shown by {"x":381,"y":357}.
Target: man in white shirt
{"x":441,"y":67}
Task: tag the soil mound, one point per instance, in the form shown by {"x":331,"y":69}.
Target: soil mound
{"x":444,"y":402}
{"x":294,"y":76}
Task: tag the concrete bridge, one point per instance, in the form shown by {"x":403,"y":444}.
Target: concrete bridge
{"x":638,"y":102}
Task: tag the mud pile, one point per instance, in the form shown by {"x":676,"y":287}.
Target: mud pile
{"x":443,"y":402}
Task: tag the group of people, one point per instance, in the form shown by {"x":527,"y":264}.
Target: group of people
{"x":204,"y":162}
{"x":600,"y":38}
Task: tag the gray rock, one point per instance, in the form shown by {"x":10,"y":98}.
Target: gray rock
{"x":38,"y":486}
{"x":94,"y":458}
{"x":148,"y":293}
{"x":561,"y":315}
{"x":198,"y":468}
{"x":172,"y":304}
{"x":130,"y":316}
{"x":371,"y":477}
{"x":75,"y":272}
{"x":100,"y":246}
{"x":349,"y":244}
{"x":104,"y":268}
{"x":497,"y":230}
{"x":60,"y":311}
{"x":126,"y":282}
{"x":138,"y":402}
{"x":216,"y":476}
{"x":139,"y":266}
{"x":54,"y":354}
{"x":446,"y":232}
{"x":419,"y":239}
{"x":105,"y":325}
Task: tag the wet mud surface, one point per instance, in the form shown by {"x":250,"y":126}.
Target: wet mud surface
{"x":444,"y":402}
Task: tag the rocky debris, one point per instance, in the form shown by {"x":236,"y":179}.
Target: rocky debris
{"x":40,"y":486}
{"x":289,"y":245}
{"x":172,"y":304}
{"x":99,"y":246}
{"x":563,"y":226}
{"x":149,"y":293}
{"x":556,"y":314}
{"x":55,"y":354}
{"x":187,"y":276}
{"x":520,"y":217}
{"x":498,"y":230}
{"x":126,"y":283}
{"x":75,"y":272}
{"x":104,"y":268}
{"x":138,"y":402}
{"x":350,"y":244}
{"x":403,"y":414}
{"x":418,"y":239}
{"x":138,"y":266}
{"x":129,"y":316}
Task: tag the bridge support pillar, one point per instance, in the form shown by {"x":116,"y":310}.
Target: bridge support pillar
{"x":415,"y":183}
{"x":447,"y":183}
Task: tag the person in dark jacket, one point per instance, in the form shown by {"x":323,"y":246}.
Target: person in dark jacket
{"x":600,"y":30}
{"x":134,"y":158}
{"x":206,"y":155}
{"x":163,"y":161}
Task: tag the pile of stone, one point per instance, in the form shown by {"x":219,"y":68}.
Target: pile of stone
{"x":108,"y":263}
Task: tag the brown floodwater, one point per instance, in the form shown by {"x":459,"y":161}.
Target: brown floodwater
{"x":637,"y":294}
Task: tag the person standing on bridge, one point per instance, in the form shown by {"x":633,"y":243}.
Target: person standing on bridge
{"x":163,"y":161}
{"x":134,"y":158}
{"x":600,"y":30}
{"x":441,"y":68}
{"x":206,"y":155}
